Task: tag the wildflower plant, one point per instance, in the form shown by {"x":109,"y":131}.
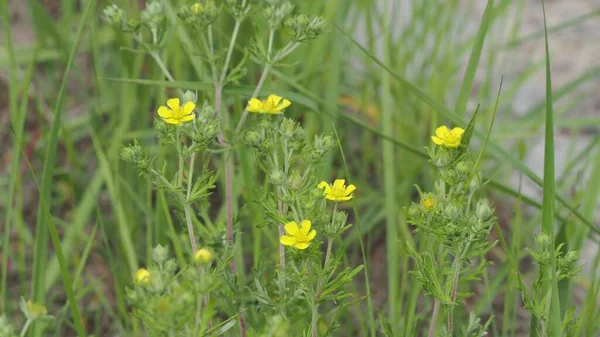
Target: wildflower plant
{"x":453,"y":222}
{"x":34,"y":312}
{"x":205,"y":293}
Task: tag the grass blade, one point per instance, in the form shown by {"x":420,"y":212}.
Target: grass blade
{"x":45,"y":225}
{"x":467,"y":84}
{"x":548,"y":194}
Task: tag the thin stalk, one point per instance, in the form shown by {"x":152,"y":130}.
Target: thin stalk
{"x":162,"y":66}
{"x":315,"y":318}
{"x":270,"y":45}
{"x":236,"y":28}
{"x":25,"y":328}
{"x":455,"y":275}
{"x":434,"y":316}
{"x":188,"y":216}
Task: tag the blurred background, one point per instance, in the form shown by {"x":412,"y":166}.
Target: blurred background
{"x":107,"y":217}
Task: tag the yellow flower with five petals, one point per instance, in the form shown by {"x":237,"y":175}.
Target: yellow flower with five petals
{"x":448,"y":138}
{"x":175,"y":113}
{"x":338,"y":191}
{"x":299,"y":238}
{"x":272,"y":105}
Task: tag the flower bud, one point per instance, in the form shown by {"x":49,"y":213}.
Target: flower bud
{"x":252,"y":138}
{"x":153,"y":16}
{"x":199,"y":15}
{"x":449,"y":176}
{"x":542,"y":240}
{"x":142,"y":277}
{"x":33,"y":310}
{"x":316,"y":193}
{"x":160,"y":254}
{"x":203,"y":256}
{"x":463,"y":169}
{"x":439,"y":156}
{"x":452,"y":212}
{"x":114,"y":15}
{"x":189,"y":96}
{"x":295,"y":181}
{"x":276,"y":177}
{"x":413,"y":211}
{"x":288,"y":128}
{"x":276,"y":13}
{"x":131,"y":26}
{"x":337,"y":226}
{"x":304,"y":28}
{"x":170,"y":267}
{"x":483,"y":210}
{"x":321,"y":145}
{"x":571,"y":257}
{"x":134,"y":154}
{"x":239,"y":8}
{"x":428,"y":202}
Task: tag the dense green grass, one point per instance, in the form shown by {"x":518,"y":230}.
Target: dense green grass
{"x":96,"y":93}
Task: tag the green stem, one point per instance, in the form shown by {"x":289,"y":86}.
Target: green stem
{"x":455,"y":276}
{"x":434,"y":316}
{"x":25,"y":327}
{"x":234,"y":35}
{"x":270,"y":46}
{"x":315,"y":319}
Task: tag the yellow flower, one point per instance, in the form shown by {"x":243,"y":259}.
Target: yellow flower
{"x":196,"y":8}
{"x":203,"y":256}
{"x":176,"y":114}
{"x":272,"y":105}
{"x":298,"y":237}
{"x":448,"y":138}
{"x":337,"y":191}
{"x":428,"y":202}
{"x":142,"y":277}
{"x":36,"y":310}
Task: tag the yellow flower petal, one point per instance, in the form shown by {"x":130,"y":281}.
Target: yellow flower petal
{"x":326,"y":186}
{"x":351,"y":188}
{"x":305,"y":227}
{"x":274,"y":99}
{"x":284,"y":104}
{"x":442,"y":131}
{"x":338,"y":184}
{"x":301,"y":245}
{"x":188,"y":107}
{"x":437,"y":140}
{"x":164,"y":112}
{"x":311,"y":235}
{"x":188,"y":118}
{"x":173,"y":121}
{"x":457,"y":132}
{"x":173,"y":103}
{"x":291,"y":228}
{"x":255,"y":105}
{"x":287,"y":240}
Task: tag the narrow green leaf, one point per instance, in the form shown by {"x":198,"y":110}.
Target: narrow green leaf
{"x":467,"y":84}
{"x":548,"y":194}
{"x":45,"y":225}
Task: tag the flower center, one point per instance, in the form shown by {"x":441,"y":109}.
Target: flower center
{"x":338,"y":192}
{"x":300,"y":237}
